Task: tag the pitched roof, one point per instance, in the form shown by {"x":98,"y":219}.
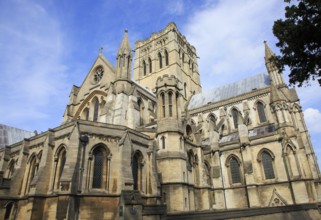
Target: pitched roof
{"x":227,"y":91}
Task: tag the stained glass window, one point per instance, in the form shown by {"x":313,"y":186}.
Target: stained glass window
{"x":260,"y":110}
{"x":267,"y":165}
{"x":96,"y":108}
{"x":98,"y":168}
{"x":235,"y":171}
{"x":170,"y":104}
{"x":235,"y":115}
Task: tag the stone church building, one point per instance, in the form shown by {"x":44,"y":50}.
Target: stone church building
{"x":158,"y":147}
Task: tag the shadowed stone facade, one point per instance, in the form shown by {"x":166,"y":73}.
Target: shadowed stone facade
{"x":160,"y":148}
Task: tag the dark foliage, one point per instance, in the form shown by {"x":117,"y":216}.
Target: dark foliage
{"x":299,"y":36}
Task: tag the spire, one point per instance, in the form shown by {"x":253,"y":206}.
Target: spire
{"x":124,"y":59}
{"x":268,"y":53}
{"x":124,"y":46}
{"x":274,"y":72}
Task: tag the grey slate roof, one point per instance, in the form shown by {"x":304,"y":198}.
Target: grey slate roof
{"x":227,"y":91}
{"x":10,"y":135}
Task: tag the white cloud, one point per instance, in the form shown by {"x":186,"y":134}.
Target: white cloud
{"x":229,"y":35}
{"x":313,"y":118}
{"x":310,"y":95}
{"x":33,"y":75}
{"x":175,"y":7}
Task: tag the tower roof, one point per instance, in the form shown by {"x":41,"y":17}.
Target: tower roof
{"x":124,"y":46}
{"x":268,"y":52}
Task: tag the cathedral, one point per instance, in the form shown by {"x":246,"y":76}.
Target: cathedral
{"x":146,"y":143}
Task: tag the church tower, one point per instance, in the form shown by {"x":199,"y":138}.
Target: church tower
{"x":171,"y":159}
{"x":167,"y":52}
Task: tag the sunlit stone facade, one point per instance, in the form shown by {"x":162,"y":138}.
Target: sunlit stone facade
{"x":158,"y":147}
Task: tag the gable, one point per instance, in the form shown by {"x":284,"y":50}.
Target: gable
{"x":99,"y":77}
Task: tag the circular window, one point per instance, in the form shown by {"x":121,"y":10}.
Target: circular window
{"x":98,"y":75}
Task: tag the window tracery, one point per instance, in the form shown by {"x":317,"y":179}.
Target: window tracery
{"x":96,"y":109}
{"x":99,"y":167}
{"x":235,"y":171}
{"x":261,"y":112}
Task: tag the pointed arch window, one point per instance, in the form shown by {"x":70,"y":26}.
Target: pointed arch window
{"x":235,"y":113}
{"x":144,"y":67}
{"x":141,"y":111}
{"x":31,"y":172}
{"x":166,"y":58}
{"x":208,"y":173}
{"x":137,"y":168}
{"x":235,"y":170}
{"x":160,"y":60}
{"x":163,"y":104}
{"x":98,"y":168}
{"x":11,"y":209}
{"x":11,"y":168}
{"x":170,"y":103}
{"x":150,"y":65}
{"x":261,"y":112}
{"x":267,"y":165}
{"x":212,"y":122}
{"x":163,"y":142}
{"x":60,"y":164}
{"x":189,"y":132}
{"x":291,"y":160}
{"x":191,"y":158}
{"x":96,"y":109}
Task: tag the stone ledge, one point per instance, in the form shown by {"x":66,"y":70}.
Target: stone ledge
{"x":296,"y":212}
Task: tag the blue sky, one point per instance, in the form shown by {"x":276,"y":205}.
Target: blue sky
{"x":46,"y":46}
